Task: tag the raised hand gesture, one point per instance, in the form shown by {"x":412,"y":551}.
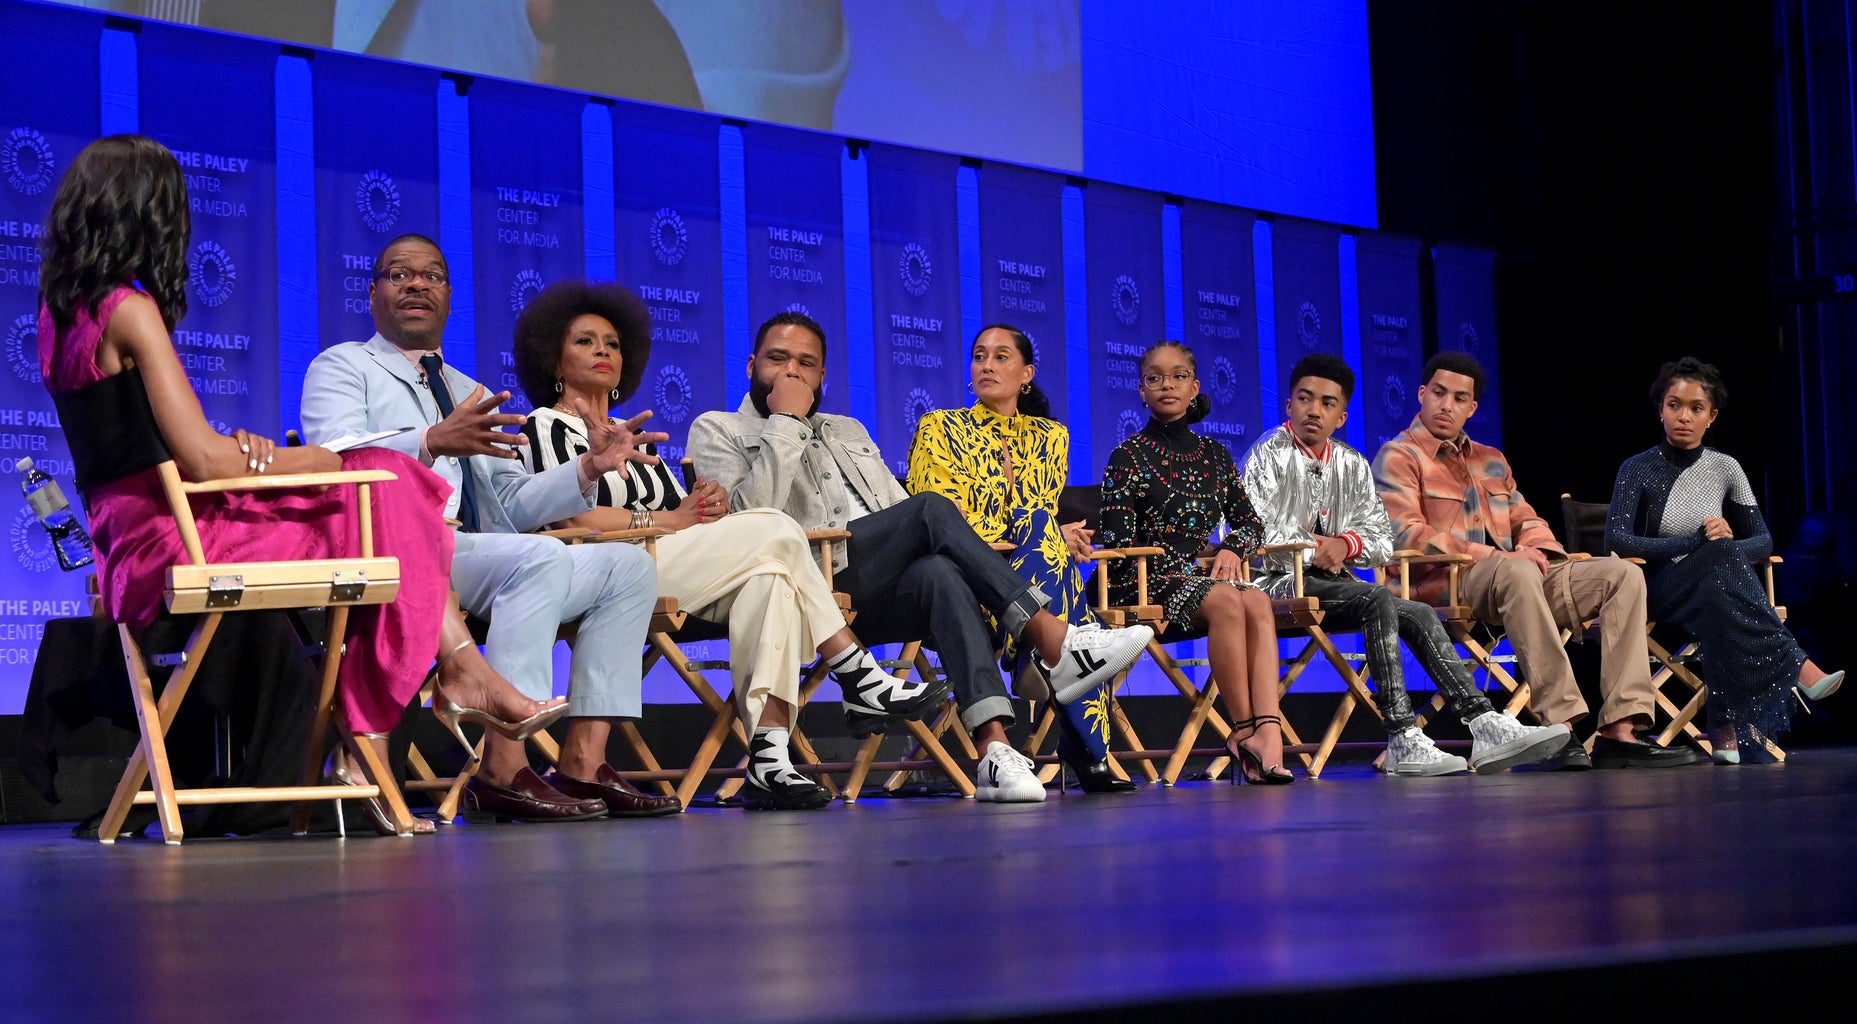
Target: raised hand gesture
{"x":473,"y":428}
{"x":612,"y":443}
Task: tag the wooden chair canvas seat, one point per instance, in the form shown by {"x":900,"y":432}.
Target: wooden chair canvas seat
{"x":215,"y":590}
{"x":1680,"y":693}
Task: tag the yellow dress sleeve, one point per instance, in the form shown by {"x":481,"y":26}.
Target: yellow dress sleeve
{"x":962,"y":472}
{"x":1043,"y":464}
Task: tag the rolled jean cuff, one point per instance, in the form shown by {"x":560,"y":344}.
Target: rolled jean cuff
{"x":1014,"y":616}
{"x":605,"y":705}
{"x":985,"y":710}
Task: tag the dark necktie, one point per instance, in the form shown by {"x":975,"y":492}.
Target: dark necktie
{"x":467,"y":493}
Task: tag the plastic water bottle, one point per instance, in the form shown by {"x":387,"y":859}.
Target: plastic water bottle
{"x":69,"y":540}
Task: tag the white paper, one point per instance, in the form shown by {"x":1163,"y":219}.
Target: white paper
{"x":347,"y":441}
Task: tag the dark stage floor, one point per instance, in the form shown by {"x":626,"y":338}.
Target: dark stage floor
{"x":1520,"y":896}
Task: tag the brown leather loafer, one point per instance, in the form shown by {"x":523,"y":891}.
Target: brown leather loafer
{"x":528,"y":798}
{"x":622,"y":800}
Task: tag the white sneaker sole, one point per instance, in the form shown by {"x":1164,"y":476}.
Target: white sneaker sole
{"x":1108,"y":669}
{"x":1451,"y":765}
{"x":1027,"y":795}
{"x":1521,"y":750}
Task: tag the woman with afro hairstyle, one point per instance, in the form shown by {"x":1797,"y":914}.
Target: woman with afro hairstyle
{"x":581,"y":348}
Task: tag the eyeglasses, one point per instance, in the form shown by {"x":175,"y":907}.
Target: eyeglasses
{"x":1153,"y":381}
{"x":399,"y":277}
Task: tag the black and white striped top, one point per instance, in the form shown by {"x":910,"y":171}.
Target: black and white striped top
{"x":556,"y":437}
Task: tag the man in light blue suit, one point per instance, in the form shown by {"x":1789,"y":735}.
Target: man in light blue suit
{"x":525,"y":585}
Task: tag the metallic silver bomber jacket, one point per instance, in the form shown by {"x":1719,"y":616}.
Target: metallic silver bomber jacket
{"x":1299,"y":498}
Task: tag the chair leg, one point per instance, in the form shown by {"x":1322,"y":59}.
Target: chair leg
{"x":641,"y":750}
{"x":377,"y":769}
{"x":151,"y":754}
{"x":706,"y":752}
{"x":860,"y":767}
{"x":311,"y":771}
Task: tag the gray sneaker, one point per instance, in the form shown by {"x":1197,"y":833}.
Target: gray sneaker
{"x":1498,"y":741}
{"x":1411,"y":752}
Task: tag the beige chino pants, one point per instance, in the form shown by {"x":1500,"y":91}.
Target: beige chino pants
{"x":754,"y":570}
{"x":1533,"y":608}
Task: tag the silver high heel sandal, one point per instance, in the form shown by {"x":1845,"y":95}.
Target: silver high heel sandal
{"x":340,"y":775}
{"x":452,"y":714}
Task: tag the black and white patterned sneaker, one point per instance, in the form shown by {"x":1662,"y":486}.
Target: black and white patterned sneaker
{"x":1092,"y":656}
{"x":874,"y":698}
{"x":773,"y":784}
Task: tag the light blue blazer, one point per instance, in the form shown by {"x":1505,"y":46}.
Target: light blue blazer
{"x":361,"y":387}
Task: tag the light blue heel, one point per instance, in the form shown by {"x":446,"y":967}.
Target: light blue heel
{"x":1824,"y":687}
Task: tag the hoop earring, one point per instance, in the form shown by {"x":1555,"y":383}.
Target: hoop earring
{"x":1026,"y":388}
{"x":613,"y":395}
{"x":970,"y":387}
{"x":557,"y":387}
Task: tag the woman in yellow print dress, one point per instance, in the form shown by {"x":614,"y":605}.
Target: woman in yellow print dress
{"x":1004,"y":461}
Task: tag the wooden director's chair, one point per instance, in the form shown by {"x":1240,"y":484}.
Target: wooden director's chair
{"x":1470,"y":635}
{"x":726,"y":721}
{"x":447,"y":791}
{"x":214,"y":590}
{"x":1680,"y":692}
{"x":1298,"y":617}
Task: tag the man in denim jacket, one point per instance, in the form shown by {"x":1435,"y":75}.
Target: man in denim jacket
{"x":913,"y":567}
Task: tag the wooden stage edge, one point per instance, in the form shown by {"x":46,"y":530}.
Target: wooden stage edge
{"x":1513,"y":897}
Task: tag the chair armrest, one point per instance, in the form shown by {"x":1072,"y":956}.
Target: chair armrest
{"x":1295,"y":545}
{"x":626,"y":536}
{"x":816,"y":536}
{"x":568,"y":534}
{"x":1102,"y":553}
{"x":272,"y":483}
{"x":1410,"y":556}
{"x":1003,"y":547}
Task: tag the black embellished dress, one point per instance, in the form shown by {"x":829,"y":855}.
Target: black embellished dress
{"x":1708,"y":588}
{"x":1170,"y":488}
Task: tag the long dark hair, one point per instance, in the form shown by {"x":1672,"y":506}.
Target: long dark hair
{"x":120,"y":216}
{"x":1201,"y":406}
{"x":1034,"y":401}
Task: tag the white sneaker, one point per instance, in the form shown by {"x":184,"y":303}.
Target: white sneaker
{"x":1411,"y":752}
{"x":1006,"y":776}
{"x":1093,"y":655}
{"x":1498,"y":741}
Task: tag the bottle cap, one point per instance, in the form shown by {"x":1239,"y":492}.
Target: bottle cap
{"x":25,"y":464}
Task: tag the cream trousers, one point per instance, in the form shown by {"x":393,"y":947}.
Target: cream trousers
{"x":754,"y":570}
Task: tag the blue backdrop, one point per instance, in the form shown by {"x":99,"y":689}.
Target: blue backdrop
{"x":1122,"y":229}
{"x":1391,"y":336}
{"x":304,"y":163}
{"x":527,"y":222}
{"x":1464,"y":283}
{"x":921,"y":359}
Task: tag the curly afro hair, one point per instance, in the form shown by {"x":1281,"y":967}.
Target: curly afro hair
{"x":541,"y":330}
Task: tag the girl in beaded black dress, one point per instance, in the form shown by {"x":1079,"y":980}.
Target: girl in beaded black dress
{"x":1690,"y":513}
{"x":1168,"y":487}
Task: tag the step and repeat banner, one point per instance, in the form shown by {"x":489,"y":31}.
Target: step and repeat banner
{"x":921,"y":360}
{"x":376,"y":178}
{"x":1218,"y":282}
{"x":669,"y":225}
{"x":1464,"y":291}
{"x":1122,"y":239}
{"x":688,"y":212}
{"x":41,"y":129}
{"x":1022,"y":268}
{"x":526,"y":217}
{"x":1392,"y":336}
{"x":212,"y":101}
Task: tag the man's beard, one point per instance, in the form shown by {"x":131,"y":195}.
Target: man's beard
{"x":758,"y":392}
